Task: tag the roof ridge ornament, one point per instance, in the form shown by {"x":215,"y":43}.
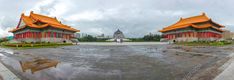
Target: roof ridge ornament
{"x":203,"y":13}
{"x":181,"y":18}
{"x":31,"y":12}
{"x":22,"y":14}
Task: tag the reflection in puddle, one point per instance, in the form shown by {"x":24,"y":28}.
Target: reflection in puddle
{"x":41,"y":67}
{"x":38,"y":64}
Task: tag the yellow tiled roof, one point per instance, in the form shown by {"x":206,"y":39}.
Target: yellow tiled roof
{"x":187,"y":22}
{"x":49,"y":21}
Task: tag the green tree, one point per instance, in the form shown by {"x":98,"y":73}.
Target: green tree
{"x":88,"y":38}
{"x":152,"y":37}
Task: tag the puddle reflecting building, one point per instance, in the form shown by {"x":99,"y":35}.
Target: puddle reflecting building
{"x":40,"y":28}
{"x":196,"y":28}
{"x":38,"y":64}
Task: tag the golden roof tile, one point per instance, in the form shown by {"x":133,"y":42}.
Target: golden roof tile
{"x":49,"y":21}
{"x":191,"y":21}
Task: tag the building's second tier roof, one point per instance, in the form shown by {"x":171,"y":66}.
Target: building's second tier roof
{"x":191,"y":21}
{"x":48,"y":21}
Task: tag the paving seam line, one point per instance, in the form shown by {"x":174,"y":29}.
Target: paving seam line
{"x":6,"y":73}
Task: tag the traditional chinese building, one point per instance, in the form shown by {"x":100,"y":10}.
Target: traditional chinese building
{"x":196,"y":28}
{"x":40,"y":28}
{"x":118,"y":35}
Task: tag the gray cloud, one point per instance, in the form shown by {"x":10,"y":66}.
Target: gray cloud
{"x":134,"y":17}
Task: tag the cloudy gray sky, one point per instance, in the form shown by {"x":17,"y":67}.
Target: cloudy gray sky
{"x":134,"y":17}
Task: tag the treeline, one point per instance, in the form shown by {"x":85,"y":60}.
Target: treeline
{"x":3,"y":40}
{"x":90,"y":38}
{"x":147,"y":38}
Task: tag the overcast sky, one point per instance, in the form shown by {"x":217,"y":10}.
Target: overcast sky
{"x":134,"y":17}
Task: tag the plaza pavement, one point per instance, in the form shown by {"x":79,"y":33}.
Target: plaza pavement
{"x":6,"y":74}
{"x":228,"y":72}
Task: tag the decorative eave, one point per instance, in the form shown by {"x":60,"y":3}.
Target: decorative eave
{"x":33,"y":18}
{"x":186,"y":22}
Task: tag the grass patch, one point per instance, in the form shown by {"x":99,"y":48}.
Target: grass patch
{"x":201,"y":43}
{"x":33,"y":45}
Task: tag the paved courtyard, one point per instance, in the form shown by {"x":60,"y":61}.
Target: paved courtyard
{"x":144,"y":61}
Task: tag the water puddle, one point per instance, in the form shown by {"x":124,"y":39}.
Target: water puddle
{"x":38,"y":64}
{"x":36,"y":67}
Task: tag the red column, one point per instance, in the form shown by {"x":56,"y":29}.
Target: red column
{"x":202,"y":34}
{"x":183,"y":34}
{"x":26,"y":34}
{"x":208,"y":34}
{"x":30,"y":34}
{"x":54,"y":34}
{"x":69,"y":36}
{"x":35,"y":35}
{"x":169,"y":36}
{"x":44,"y":34}
{"x":205,"y":34}
{"x":40,"y":34}
{"x":49,"y":34}
{"x":198,"y":34}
